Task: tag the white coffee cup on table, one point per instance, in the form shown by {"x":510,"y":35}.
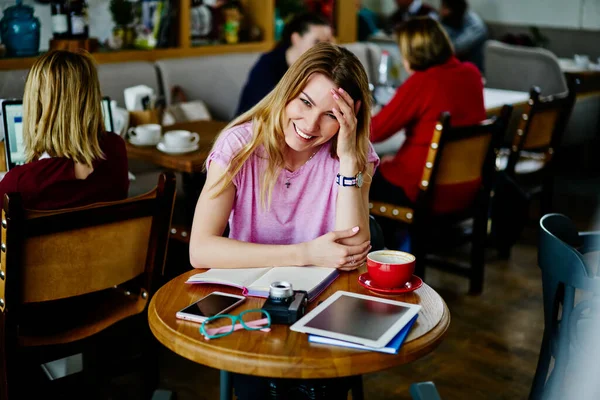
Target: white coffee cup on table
{"x":145,"y":134}
{"x":181,"y":139}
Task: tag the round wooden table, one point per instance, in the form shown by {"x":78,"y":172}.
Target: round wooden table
{"x":283,"y":353}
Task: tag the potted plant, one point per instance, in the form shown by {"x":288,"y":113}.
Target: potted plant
{"x":122,"y":15}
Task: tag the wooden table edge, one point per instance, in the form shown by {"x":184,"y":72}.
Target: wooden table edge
{"x":275,"y":367}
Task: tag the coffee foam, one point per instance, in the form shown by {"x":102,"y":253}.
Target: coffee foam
{"x":391,"y":257}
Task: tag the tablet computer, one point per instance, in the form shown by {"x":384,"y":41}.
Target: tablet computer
{"x":357,"y":318}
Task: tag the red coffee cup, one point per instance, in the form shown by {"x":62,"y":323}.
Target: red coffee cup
{"x":390,"y":269}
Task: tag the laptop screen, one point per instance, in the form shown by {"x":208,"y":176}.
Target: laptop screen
{"x":106,"y":112}
{"x":13,"y":129}
{"x":13,"y":133}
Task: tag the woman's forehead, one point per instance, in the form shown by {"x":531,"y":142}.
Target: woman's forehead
{"x":318,"y":89}
{"x":319,"y":81}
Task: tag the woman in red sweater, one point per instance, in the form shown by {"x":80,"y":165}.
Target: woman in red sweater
{"x":438,"y":82}
{"x":71,"y":160}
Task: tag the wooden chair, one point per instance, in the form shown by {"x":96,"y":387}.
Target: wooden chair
{"x":539,"y":134}
{"x":68,"y":275}
{"x":528,"y":166}
{"x":456,"y":154}
{"x":571,"y":289}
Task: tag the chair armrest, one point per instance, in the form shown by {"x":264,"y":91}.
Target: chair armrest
{"x":590,"y":241}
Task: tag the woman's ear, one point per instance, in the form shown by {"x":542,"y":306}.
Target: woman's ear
{"x":357,"y":107}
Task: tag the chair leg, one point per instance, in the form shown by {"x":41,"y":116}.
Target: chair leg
{"x":546,"y":197}
{"x":541,"y":372}
{"x":477,"y":269}
{"x":419,"y":254}
{"x":504,"y":252}
{"x":418,"y":250}
{"x":478,"y":255}
{"x":356,"y":388}
{"x":160,"y":394}
{"x":424,"y":391}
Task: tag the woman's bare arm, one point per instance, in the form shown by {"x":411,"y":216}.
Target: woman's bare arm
{"x":352,"y":207}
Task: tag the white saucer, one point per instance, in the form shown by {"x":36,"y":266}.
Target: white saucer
{"x":176,"y":150}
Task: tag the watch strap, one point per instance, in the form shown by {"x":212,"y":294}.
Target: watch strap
{"x":345,"y":180}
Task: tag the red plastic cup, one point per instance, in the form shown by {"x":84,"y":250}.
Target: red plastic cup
{"x":390,"y":269}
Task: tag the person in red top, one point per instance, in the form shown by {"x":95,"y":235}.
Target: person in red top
{"x":438,"y":82}
{"x":71,"y":160}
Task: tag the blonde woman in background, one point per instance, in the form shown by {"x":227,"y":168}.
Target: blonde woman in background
{"x":70,"y":159}
{"x":272,"y":173}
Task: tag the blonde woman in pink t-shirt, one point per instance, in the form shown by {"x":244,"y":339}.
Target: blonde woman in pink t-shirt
{"x":292,"y":174}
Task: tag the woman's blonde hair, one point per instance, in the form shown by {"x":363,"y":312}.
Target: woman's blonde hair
{"x":62,"y":108}
{"x":424,"y":43}
{"x":268,"y":117}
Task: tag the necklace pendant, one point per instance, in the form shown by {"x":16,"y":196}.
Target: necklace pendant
{"x":287,"y":184}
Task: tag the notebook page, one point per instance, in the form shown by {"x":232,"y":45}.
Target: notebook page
{"x":240,"y":277}
{"x":301,"y":278}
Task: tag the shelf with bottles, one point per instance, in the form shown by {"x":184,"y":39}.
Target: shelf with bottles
{"x":259,"y":13}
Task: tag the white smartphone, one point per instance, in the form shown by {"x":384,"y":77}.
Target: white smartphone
{"x":214,"y":304}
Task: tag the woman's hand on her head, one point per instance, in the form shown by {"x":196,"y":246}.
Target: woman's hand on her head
{"x":345,"y":113}
{"x":325,"y":251}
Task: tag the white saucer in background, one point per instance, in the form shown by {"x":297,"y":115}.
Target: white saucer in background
{"x":176,"y":150}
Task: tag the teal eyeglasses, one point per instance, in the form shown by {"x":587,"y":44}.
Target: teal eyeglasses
{"x":251,"y":320}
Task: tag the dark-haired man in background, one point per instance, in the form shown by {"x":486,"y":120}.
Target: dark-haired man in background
{"x":466,"y":29}
{"x":299,"y":35}
{"x":408,"y":9}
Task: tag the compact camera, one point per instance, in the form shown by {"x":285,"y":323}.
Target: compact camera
{"x":285,"y":305}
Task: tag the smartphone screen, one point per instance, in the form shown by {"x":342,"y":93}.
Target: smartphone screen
{"x":209,"y":306}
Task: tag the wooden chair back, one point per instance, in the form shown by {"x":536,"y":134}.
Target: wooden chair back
{"x":461,"y":154}
{"x":49,"y":257}
{"x":456,"y":154}
{"x":541,"y":126}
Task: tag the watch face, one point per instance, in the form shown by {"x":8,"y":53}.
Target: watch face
{"x":359,"y":179}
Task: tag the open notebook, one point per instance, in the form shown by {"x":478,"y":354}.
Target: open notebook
{"x":256,"y":281}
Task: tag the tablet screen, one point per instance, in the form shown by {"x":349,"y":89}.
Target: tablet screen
{"x":358,"y":317}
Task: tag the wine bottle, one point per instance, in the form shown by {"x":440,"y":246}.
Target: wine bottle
{"x":384,"y":91}
{"x":383,"y":69}
{"x":60,"y":19}
{"x":78,"y":19}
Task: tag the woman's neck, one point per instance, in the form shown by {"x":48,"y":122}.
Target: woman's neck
{"x":294,"y":160}
{"x":82,"y":171}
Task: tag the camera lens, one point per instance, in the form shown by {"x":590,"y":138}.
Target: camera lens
{"x":280,"y":291}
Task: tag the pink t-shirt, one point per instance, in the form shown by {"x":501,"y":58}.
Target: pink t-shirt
{"x":299,"y":213}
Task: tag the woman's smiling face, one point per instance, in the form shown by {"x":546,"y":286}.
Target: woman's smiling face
{"x":310,"y":121}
